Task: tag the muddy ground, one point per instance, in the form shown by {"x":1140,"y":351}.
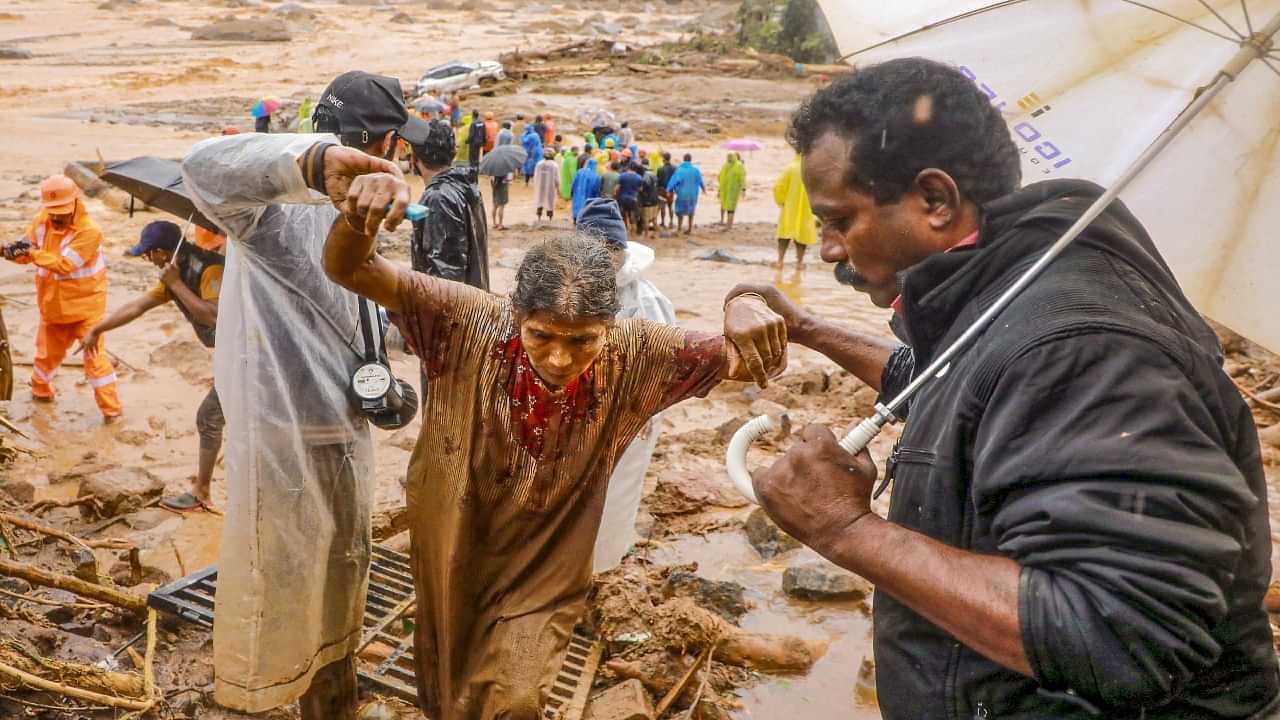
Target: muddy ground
{"x":123,"y":78}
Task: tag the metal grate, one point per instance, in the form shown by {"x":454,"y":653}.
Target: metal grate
{"x":568,"y":697}
{"x":389,"y":599}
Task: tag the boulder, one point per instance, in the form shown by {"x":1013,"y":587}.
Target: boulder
{"x":703,"y":485}
{"x":726,"y":599}
{"x":257,"y":30}
{"x":119,"y":490}
{"x":766,"y":537}
{"x":402,"y":18}
{"x":9,"y":52}
{"x":59,"y":614}
{"x":624,"y":701}
{"x":1270,"y":436}
{"x":821,"y":580}
{"x":22,"y":491}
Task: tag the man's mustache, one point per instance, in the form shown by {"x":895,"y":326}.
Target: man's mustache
{"x":846,"y":275}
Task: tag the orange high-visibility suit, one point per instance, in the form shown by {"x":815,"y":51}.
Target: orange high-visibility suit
{"x":71,"y":292}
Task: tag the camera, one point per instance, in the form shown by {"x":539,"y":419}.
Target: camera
{"x":388,"y":403}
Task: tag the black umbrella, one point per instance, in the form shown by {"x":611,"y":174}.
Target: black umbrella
{"x":503,"y":160}
{"x":158,"y":183}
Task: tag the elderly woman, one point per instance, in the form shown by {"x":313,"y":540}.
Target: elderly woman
{"x":533,"y":399}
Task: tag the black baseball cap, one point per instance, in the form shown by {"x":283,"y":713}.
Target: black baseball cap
{"x":358,"y":101}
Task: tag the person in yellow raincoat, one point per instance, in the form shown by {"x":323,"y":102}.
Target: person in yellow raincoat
{"x":796,"y":223}
{"x":463,"y":136}
{"x":733,"y":183}
{"x":65,"y":245}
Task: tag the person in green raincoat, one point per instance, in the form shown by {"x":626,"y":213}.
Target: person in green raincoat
{"x":795,"y":221}
{"x":304,"y":116}
{"x":568,"y":171}
{"x":590,"y":139}
{"x":733,"y":182}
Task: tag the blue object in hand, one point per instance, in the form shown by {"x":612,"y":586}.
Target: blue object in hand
{"x":415,"y":212}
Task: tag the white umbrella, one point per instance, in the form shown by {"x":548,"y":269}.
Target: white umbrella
{"x":1172,"y":104}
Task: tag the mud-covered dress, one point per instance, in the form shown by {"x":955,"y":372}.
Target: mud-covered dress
{"x":507,"y":484}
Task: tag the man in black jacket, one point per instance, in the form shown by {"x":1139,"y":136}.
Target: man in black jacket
{"x":1078,"y":525}
{"x":452,"y":241}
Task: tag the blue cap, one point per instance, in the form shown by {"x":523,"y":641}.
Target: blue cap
{"x":158,"y":235}
{"x":601,"y":216}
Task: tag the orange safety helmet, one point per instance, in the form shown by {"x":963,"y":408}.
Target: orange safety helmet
{"x":58,"y":194}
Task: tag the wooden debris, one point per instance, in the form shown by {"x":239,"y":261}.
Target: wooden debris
{"x":680,"y":685}
{"x":53,"y":603}
{"x":93,"y":591}
{"x":40,"y":506}
{"x":19,"y":665}
{"x":389,"y":523}
{"x":32,"y":525}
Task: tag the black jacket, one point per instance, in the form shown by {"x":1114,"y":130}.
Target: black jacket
{"x":452,"y":242}
{"x":1091,"y":435}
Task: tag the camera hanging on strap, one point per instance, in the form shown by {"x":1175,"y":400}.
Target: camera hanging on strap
{"x":387,"y":402}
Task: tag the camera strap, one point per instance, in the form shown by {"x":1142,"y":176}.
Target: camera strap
{"x":373,"y":337}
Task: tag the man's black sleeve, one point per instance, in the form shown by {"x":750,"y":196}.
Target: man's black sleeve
{"x":1102,"y":469}
{"x":446,"y":238}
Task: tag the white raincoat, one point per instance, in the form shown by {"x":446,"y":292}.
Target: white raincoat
{"x":296,"y":537}
{"x":638,"y":298}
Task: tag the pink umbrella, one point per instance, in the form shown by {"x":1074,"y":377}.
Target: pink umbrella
{"x":742,"y":145}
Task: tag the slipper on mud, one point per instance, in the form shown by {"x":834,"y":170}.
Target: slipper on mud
{"x":186,"y":502}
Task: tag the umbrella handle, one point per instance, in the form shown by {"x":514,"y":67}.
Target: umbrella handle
{"x":735,"y":459}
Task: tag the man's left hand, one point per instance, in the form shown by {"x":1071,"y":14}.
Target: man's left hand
{"x":817,"y":491}
{"x":170,"y":275}
{"x":760,"y":336}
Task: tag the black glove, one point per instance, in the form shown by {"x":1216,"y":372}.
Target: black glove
{"x":14,"y":250}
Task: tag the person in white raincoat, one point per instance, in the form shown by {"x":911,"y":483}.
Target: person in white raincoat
{"x":637,"y":298}
{"x":296,"y":532}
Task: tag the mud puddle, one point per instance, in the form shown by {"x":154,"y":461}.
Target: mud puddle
{"x":828,"y":691}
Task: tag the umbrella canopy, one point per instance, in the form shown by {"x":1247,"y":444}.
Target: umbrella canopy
{"x":1119,"y":73}
{"x":428,"y":104}
{"x":598,"y":118}
{"x":264,"y":107}
{"x":742,"y":145}
{"x":156,"y":182}
{"x":503,"y":160}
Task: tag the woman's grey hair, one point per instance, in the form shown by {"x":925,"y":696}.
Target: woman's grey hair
{"x":570,"y":277}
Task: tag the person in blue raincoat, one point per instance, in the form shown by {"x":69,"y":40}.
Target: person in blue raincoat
{"x":533,"y":147}
{"x":586,"y":185}
{"x":686,"y":183}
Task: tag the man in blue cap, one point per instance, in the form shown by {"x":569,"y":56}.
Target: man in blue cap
{"x":191,"y":278}
{"x":637,"y":298}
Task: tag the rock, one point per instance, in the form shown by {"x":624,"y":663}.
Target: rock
{"x":86,"y":565}
{"x":726,"y":599}
{"x":1270,"y":436}
{"x":120,"y":490}
{"x":377,"y":710}
{"x":160,"y":22}
{"x":767,"y":407}
{"x":102,"y":634}
{"x":9,"y":52}
{"x":645,"y":524}
{"x":607,"y":28}
{"x":13,"y":585}
{"x":293,"y":11}
{"x":57,"y":614}
{"x":22,"y":491}
{"x":83,"y":629}
{"x":405,"y":438}
{"x":136,"y":438}
{"x":703,"y":485}
{"x":122,"y":574}
{"x":766,"y":537}
{"x":822,"y":580}
{"x":726,"y":429}
{"x":257,"y":30}
{"x":624,"y":701}
{"x":401,"y":18}
{"x":720,"y":256}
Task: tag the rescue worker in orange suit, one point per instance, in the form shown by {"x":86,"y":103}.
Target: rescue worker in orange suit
{"x":71,"y":290}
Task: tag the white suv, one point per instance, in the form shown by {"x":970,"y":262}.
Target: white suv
{"x":457,"y":75}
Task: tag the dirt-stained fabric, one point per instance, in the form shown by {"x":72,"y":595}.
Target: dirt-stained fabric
{"x":507,"y":484}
